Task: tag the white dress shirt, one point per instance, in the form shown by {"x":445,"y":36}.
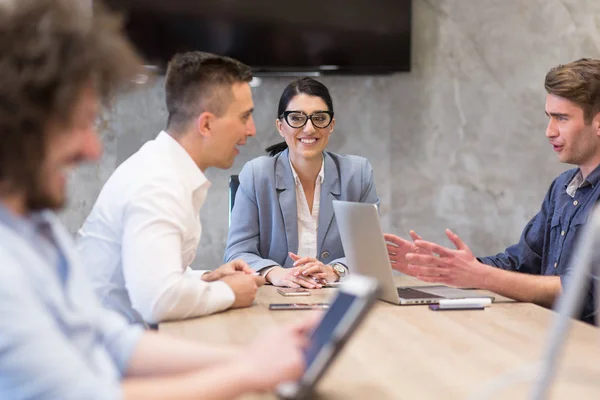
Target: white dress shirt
{"x":142,"y":235}
{"x":308,"y":223}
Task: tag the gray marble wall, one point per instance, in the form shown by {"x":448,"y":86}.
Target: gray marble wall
{"x":458,"y":142}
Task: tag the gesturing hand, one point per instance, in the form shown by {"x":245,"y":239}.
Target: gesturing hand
{"x":435,"y":263}
{"x":398,"y":248}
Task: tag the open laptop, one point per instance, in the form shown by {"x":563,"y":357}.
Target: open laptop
{"x":366,"y":254}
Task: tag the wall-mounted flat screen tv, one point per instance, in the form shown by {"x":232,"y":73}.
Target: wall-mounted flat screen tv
{"x":330,"y":36}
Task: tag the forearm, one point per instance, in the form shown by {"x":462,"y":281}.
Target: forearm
{"x":502,"y":260}
{"x":225,"y":381}
{"x":254,"y":260}
{"x":182,"y":296}
{"x":541,"y":290}
{"x":525,"y":256}
{"x":264,"y":272}
{"x":160,"y":354}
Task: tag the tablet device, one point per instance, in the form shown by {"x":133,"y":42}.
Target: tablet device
{"x":347,"y":310}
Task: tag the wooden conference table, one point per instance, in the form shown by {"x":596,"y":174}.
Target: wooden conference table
{"x":410,"y":352}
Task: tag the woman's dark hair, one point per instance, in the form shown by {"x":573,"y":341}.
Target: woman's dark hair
{"x":307,"y":86}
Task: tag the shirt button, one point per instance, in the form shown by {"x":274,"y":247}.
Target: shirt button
{"x":555,"y":265}
{"x":562,"y":233}
{"x":325,"y":254}
{"x":575,"y":202}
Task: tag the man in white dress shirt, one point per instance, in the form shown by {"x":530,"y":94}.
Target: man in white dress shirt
{"x":143,"y":232}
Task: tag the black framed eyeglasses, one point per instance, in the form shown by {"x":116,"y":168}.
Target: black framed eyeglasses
{"x":297,"y":119}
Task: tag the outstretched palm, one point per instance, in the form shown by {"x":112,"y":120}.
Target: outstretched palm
{"x":398,"y":248}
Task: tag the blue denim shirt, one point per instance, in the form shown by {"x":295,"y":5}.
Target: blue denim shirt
{"x":548,"y":240}
{"x":56,"y":341}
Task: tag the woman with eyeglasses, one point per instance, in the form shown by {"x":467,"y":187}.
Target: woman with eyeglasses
{"x":282,"y":223}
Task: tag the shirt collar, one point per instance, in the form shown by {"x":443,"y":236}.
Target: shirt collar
{"x":594,"y":176}
{"x":320,"y":177}
{"x":184,"y":162}
{"x":27,"y":227}
{"x":577,"y":181}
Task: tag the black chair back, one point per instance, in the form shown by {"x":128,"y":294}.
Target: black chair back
{"x":234,"y":183}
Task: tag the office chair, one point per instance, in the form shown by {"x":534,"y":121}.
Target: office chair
{"x":234,"y":183}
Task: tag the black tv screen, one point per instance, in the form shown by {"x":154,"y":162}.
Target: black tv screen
{"x":335,"y":36}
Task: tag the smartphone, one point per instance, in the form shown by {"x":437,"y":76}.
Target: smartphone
{"x":436,"y":307}
{"x":298,"y":306}
{"x":293,"y":292}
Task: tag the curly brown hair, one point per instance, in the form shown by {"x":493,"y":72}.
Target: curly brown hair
{"x":579,"y":82}
{"x":50,"y":50}
{"x":198,"y":82}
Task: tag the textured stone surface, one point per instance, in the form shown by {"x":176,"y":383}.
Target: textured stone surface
{"x":458,"y":142}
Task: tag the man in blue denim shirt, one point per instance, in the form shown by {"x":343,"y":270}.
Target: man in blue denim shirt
{"x":534,"y":269}
{"x":57,"y":60}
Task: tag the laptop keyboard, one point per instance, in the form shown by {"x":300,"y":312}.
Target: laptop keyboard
{"x":410,"y":293}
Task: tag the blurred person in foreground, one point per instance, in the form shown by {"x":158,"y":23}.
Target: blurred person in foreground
{"x":57,"y":61}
